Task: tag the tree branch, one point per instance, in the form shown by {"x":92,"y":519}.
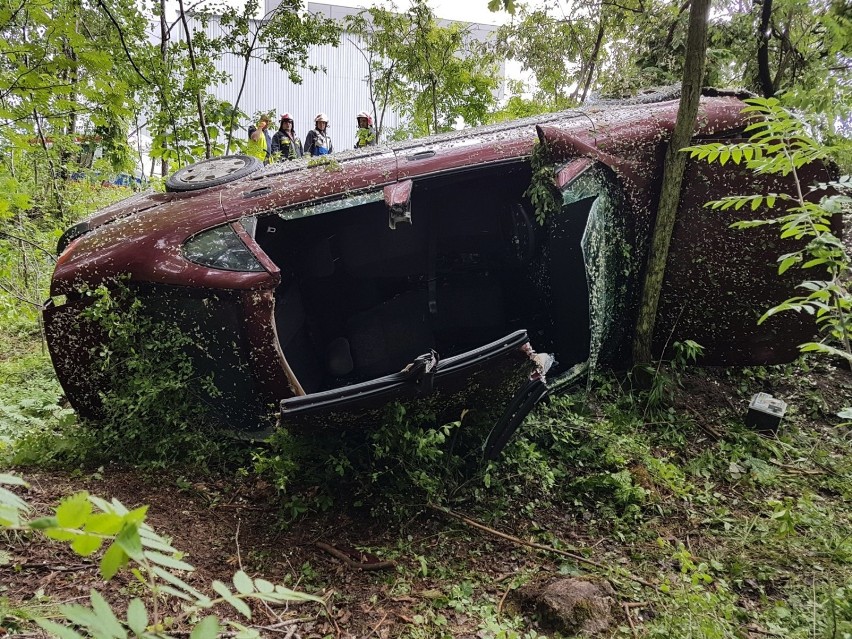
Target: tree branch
{"x":123,"y":43}
{"x":28,"y":242}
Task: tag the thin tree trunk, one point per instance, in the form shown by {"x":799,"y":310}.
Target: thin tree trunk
{"x":164,"y":50}
{"x":435,"y":105}
{"x":764,"y":75}
{"x":202,"y":120}
{"x":675,"y":163}
{"x":57,"y":193}
{"x":237,"y":102}
{"x":247,"y":59}
{"x":593,"y":60}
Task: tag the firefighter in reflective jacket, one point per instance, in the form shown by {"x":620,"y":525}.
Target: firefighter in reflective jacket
{"x":286,"y":145}
{"x":365,"y":134}
{"x":318,"y":141}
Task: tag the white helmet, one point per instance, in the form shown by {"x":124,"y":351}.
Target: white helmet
{"x":363,"y":114}
{"x":321,"y":117}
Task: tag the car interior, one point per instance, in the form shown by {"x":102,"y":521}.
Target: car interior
{"x":359,"y":300}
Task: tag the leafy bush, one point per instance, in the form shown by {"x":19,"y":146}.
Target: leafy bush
{"x":88,"y":523}
{"x":395,"y":468}
{"x":153,"y":407}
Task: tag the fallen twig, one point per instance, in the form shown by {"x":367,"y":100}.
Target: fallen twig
{"x":532,"y":544}
{"x":630,"y":620}
{"x":502,"y":601}
{"x":795,"y":470}
{"x":375,"y":630}
{"x":346,"y":559}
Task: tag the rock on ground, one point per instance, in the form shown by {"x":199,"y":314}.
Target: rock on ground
{"x":583,"y":606}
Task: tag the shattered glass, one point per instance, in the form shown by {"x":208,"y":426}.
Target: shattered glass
{"x":609,"y":261}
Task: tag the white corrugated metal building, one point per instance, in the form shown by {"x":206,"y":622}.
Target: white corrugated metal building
{"x":341,"y":91}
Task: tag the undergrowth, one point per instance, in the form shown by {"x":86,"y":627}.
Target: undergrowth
{"x":152,"y":408}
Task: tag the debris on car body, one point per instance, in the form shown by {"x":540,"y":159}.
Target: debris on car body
{"x":418,"y":271}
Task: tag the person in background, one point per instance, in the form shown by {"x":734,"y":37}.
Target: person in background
{"x":317,"y":141}
{"x":365,"y":135}
{"x":286,"y":145}
{"x":260,"y":144}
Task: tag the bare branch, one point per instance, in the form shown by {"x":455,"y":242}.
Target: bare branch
{"x":29,"y":243}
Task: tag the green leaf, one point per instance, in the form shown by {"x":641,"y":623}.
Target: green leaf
{"x":152,"y":540}
{"x":228,"y":596}
{"x":174,"y":592}
{"x":74,"y":510}
{"x":264,"y":586}
{"x":86,"y":618}
{"x":104,"y":524}
{"x":106,"y":616}
{"x":43,"y":523}
{"x":846,"y":413}
{"x":60,"y":535}
{"x":62,"y":632}
{"x":85,"y":545}
{"x":12,"y":480}
{"x":294,"y":595}
{"x":169,"y":562}
{"x":137,"y":515}
{"x":208,"y":628}
{"x":128,"y":540}
{"x":786,"y":264}
{"x":137,"y":616}
{"x":178,"y":583}
{"x":113,"y":560}
{"x":243,"y":583}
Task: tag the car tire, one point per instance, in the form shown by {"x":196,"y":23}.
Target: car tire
{"x":212,"y":172}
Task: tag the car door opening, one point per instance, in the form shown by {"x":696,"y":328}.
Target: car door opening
{"x":359,"y":300}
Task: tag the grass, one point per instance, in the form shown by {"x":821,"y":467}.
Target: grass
{"x":739,"y":532}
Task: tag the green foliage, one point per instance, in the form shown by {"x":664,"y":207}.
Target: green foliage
{"x":666,"y":375}
{"x":542,"y":189}
{"x":282,"y":37}
{"x":29,"y":400}
{"x":154,"y":411}
{"x":557,"y":53}
{"x":781,"y":144}
{"x":398,"y":466}
{"x":329,"y":163}
{"x":88,"y":524}
{"x":430,"y":73}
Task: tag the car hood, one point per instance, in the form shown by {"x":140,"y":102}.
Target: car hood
{"x":142,"y":237}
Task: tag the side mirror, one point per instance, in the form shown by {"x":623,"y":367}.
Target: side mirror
{"x":398,"y":202}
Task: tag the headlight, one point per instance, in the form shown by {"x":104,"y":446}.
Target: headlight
{"x":221,"y":248}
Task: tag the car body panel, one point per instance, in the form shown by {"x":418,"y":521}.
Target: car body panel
{"x":310,"y":181}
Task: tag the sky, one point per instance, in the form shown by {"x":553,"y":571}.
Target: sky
{"x":463,"y":10}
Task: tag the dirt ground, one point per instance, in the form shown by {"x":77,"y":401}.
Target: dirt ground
{"x":222,"y":527}
{"x":225,"y":523}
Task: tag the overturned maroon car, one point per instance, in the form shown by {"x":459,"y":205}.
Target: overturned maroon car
{"x":420,"y":271}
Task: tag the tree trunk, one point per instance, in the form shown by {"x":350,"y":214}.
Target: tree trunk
{"x":763,"y":73}
{"x":675,"y":163}
{"x":246,"y":63}
{"x":164,"y":50}
{"x":202,"y":120}
{"x":246,"y":60}
{"x":593,"y":60}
